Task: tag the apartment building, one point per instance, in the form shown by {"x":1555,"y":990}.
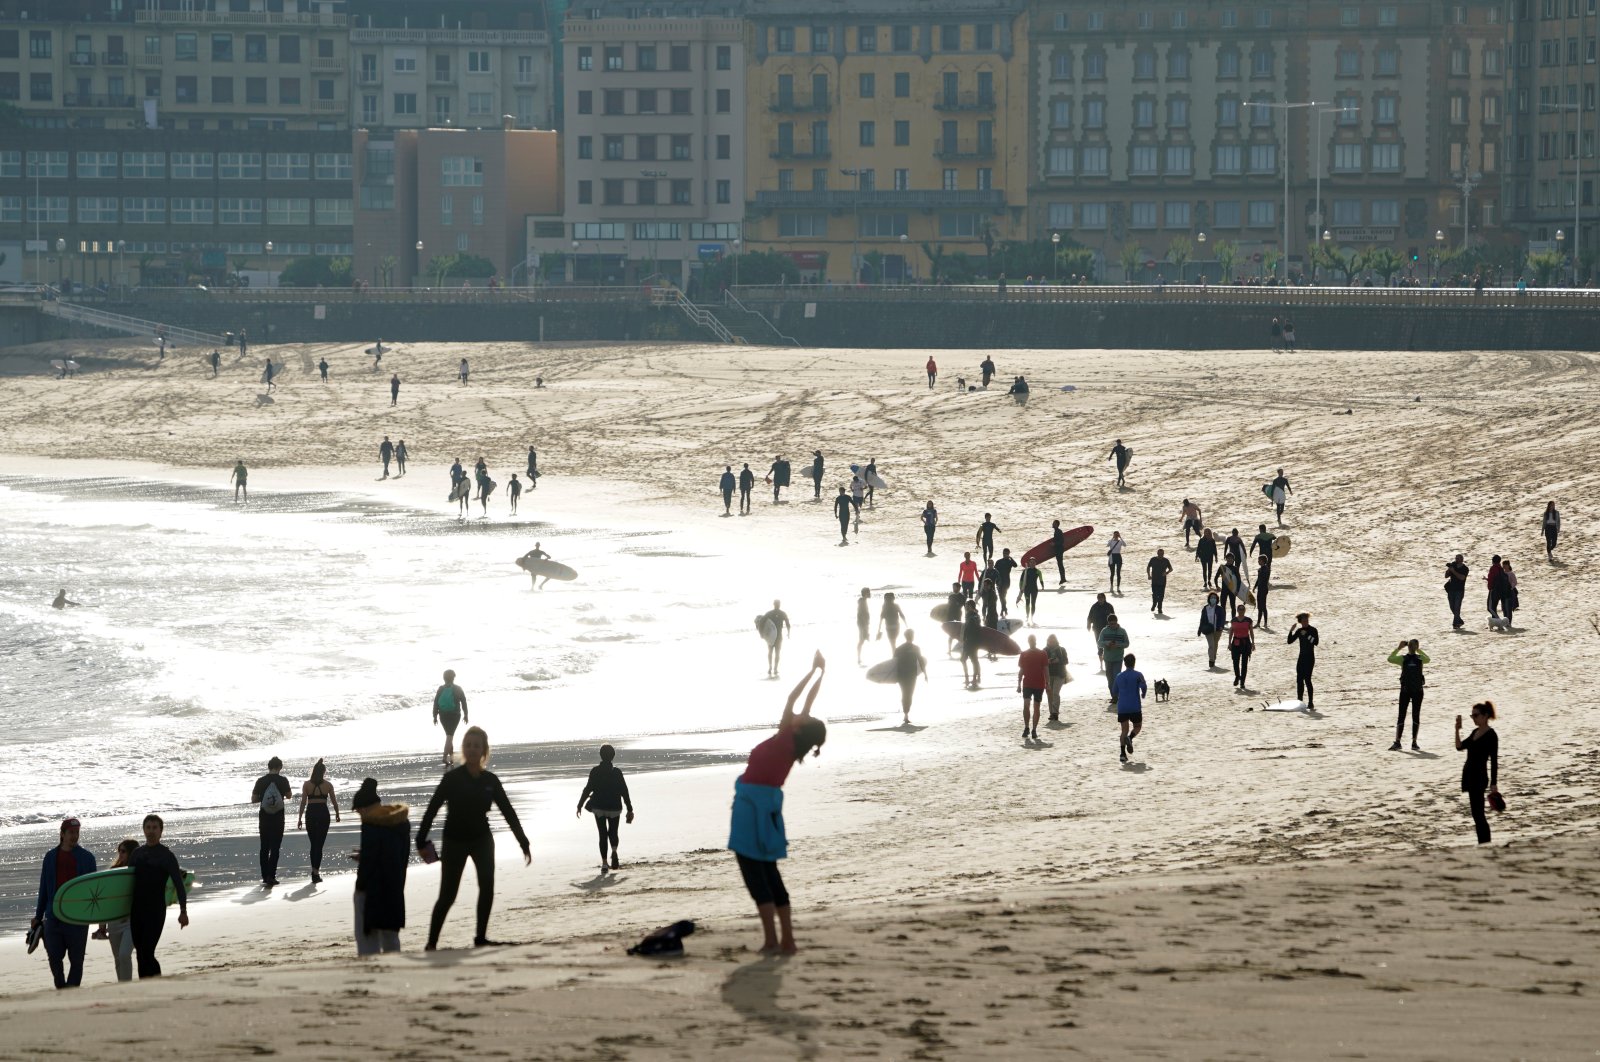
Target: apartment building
{"x":653,"y":150}
{"x":1552,"y":167}
{"x":156,"y":142}
{"x":450,"y":63}
{"x":879,"y":125}
{"x":427,"y":194}
{"x":1168,"y":119}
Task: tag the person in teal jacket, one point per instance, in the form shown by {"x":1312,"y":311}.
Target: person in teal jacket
{"x":1113,"y":643}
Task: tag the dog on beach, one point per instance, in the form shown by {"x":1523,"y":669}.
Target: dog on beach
{"x":1163,"y":691}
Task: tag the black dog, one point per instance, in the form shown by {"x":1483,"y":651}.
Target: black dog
{"x":1163,"y":691}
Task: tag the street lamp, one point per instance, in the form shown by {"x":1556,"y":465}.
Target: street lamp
{"x":61,"y":254}
{"x":855,"y":212}
{"x":905,"y":260}
{"x":1199,"y":266}
{"x":272,"y":281}
{"x":122,"y":272}
{"x":1560,"y":238}
{"x":417,"y":270}
{"x":574,"y":261}
{"x":1055,"y":258}
{"x":1438,"y":252}
{"x":1284,"y":152}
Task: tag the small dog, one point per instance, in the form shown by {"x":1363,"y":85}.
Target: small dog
{"x":1499,"y":623}
{"x":1163,"y":691}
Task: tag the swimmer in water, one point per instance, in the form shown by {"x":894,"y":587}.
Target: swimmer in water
{"x":61,"y":601}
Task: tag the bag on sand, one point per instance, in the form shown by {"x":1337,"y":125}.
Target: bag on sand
{"x":668,"y":940}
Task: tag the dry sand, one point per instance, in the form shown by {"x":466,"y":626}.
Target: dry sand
{"x":1256,"y":886}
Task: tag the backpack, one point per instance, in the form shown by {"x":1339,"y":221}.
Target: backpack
{"x":1411,"y":672}
{"x":272,"y":800}
{"x":668,"y":940}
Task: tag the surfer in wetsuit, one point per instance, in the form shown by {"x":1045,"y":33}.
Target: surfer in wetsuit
{"x":971,"y":632}
{"x":1058,"y":545}
{"x":985,"y":537}
{"x":954,"y":605}
{"x":61,"y":602}
{"x":394,"y":389}
{"x":1304,"y":633}
{"x":816,"y":474}
{"x":240,"y":475}
{"x":908,"y":664}
{"x":1280,"y":494}
{"x":778,"y":476}
{"x":726,"y":485}
{"x":1157,"y":569}
{"x":780,"y":624}
{"x":1122,"y":455}
{"x":533,"y":556}
{"x":842,"y":509}
{"x":930,"y":522}
{"x":514,"y":491}
{"x":484,"y":492}
{"x":1028,"y":590}
{"x":216,"y":363}
{"x":386,"y":453}
{"x":533,"y":469}
{"x":863,"y":621}
{"x":1262,"y":544}
{"x":1205,"y":551}
{"x":891,"y":616}
{"x":400,"y":457}
{"x":747,"y":483}
{"x":1002,"y":577}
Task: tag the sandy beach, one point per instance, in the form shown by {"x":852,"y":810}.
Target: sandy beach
{"x":1254,"y":885}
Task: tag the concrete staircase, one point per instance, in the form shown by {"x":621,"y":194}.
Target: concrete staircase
{"x":750,"y":326}
{"x":133,"y":326}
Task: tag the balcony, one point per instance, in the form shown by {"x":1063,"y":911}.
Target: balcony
{"x":442,"y":77}
{"x":508,"y":37}
{"x":964,"y":101}
{"x":241,"y":18}
{"x":914,"y":199}
{"x":73,"y":99}
{"x":149,"y":61}
{"x":801,"y":149}
{"x":330,"y":65}
{"x":327,"y":106}
{"x":114,"y":59}
{"x":370,"y":77}
{"x":789,"y":103}
{"x":80,"y":58}
{"x":952,"y":149}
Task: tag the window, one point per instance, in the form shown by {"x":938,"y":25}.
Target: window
{"x":902,"y":180}
{"x":222,"y":47}
{"x":681,"y":147}
{"x":188,"y":211}
{"x":331,"y":167}
{"x":1230,"y":18}
{"x":47,"y":208}
{"x":369,"y":104}
{"x":585,"y":101}
{"x":1260,"y":116}
{"x":585,"y":58}
{"x":1384,"y":110}
{"x":902,"y":86}
{"x":1228,"y":64}
{"x":288,"y":166}
{"x":1346,"y":158}
{"x":783,"y":39}
{"x":869,"y":134}
{"x":821,"y":39}
{"x":657,"y":230}
{"x":1263,"y":158}
{"x":586,"y":147}
{"x":1061,"y":114}
{"x":1061,"y":66}
{"x":1060,"y":216}
{"x":866,"y":38}
{"x":1347,"y":110}
{"x":41,"y":87}
{"x":724,"y":191}
{"x":949,"y":38}
{"x":1229,"y":158}
{"x":1461,"y":62}
{"x":713,"y":230}
{"x":10,"y":164}
{"x":239,"y":166}
{"x":1347,"y":211}
{"x":1177,"y":65}
{"x":199,"y":164}
{"x":598,"y":230}
{"x":255,"y":48}
{"x":1144,"y":113}
{"x":1227,"y":113}
{"x":1263,"y":212}
{"x":611,"y":192}
{"x":1144,"y":65}
{"x":1096,"y":21}
{"x":335,"y":211}
{"x":1261,"y":63}
{"x":1180,"y":160}
{"x":645,"y":101}
{"x":480,"y":104}
{"x":185,"y":47}
{"x":1094,"y":66}
{"x":1094,"y":114}
{"x":951,"y":181}
{"x":255,"y":90}
{"x":1059,"y":161}
{"x":288,"y":211}
{"x":1458,"y":109}
{"x":477,"y":209}
{"x":149,"y":164}
{"x":377,"y":197}
{"x":802,"y":224}
{"x":1386,"y":62}
{"x":646,"y":147}
{"x":1386,"y":211}
{"x":1494,"y":60}
{"x":585,"y":193}
{"x":461,"y":171}
{"x":1094,"y":161}
{"x":1176,"y":215}
{"x":611,"y":102}
{"x":902,"y":133}
{"x":97,"y":209}
{"x":143,"y":210}
{"x":724,"y":146}
{"x":1142,"y":161}
{"x":724,"y":101}
{"x":1177,"y":113}
{"x":1147,"y":20}
{"x":680,"y":101}
{"x":613,"y":54}
{"x":40,"y":44}
{"x":405,"y":103}
{"x":1388,"y":16}
{"x":1180,"y":20}
{"x":900,"y":38}
{"x":1092,"y":216}
{"x":1385,"y":157}
{"x":867,"y":86}
{"x":983,"y":36}
{"x":1491,"y":106}
{"x":1349,"y":62}
{"x":288,"y":90}
{"x":47,"y":164}
{"x":1225,"y":214}
{"x":96,"y":164}
{"x":478,"y":63}
{"x":958,"y":225}
{"x":724,"y":57}
{"x":1263,"y":18}
{"x":289,"y":48}
{"x":239,"y":211}
{"x":646,"y":57}
{"x":884,"y":225}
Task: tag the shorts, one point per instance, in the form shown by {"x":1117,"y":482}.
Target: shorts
{"x":1132,"y":717}
{"x":1029,"y":693}
{"x":1192,"y":525}
{"x":449,"y":720}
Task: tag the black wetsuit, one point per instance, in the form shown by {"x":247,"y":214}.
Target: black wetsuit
{"x":727,"y":485}
{"x":1058,"y":543}
{"x":1205,"y":551}
{"x":842,"y":508}
{"x":467,"y":836}
{"x":986,"y":532}
{"x":970,"y":633}
{"x":1307,"y":637}
{"x":1002,"y":579}
{"x":270,"y":825}
{"x":1157,"y":569}
{"x":816,"y":477}
{"x":154,"y":866}
{"x":747,"y":483}
{"x":990,"y":599}
{"x":1030,"y":590}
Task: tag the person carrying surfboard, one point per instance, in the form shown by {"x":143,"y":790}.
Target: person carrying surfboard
{"x":154,"y":869}
{"x":1261,"y":544}
{"x":779,"y":619}
{"x":1122,"y":455}
{"x":971,"y":635}
{"x":1058,"y":544}
{"x":863,"y":621}
{"x":778,"y":476}
{"x":908,"y":664}
{"x":816,"y":474}
{"x":63,"y":944}
{"x":869,"y":476}
{"x":1280,"y":493}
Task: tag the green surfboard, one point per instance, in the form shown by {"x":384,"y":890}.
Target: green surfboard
{"x":104,"y":896}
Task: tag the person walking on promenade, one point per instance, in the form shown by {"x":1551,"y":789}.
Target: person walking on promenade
{"x":1480,"y":774}
{"x":1410,"y":659}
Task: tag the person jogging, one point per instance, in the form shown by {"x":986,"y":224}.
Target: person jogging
{"x":1551,"y":523}
{"x":842,"y":509}
{"x":933,"y":373}
{"x":1028,"y":590}
{"x":1055,"y":655}
{"x":155,"y":869}
{"x":604,"y":796}
{"x":449,"y":710}
{"x":1157,"y":569}
{"x":466,"y":793}
{"x":890,"y":618}
{"x":1280,"y":494}
{"x":239,"y":479}
{"x":816,"y":474}
{"x":271,"y":796}
{"x":1122,"y":455}
{"x":747,"y":484}
{"x":863,"y":621}
{"x":394,"y":390}
{"x":1480,"y":774}
{"x":317,"y":798}
{"x":1128,"y":694}
{"x":727,"y":484}
{"x":930,"y":521}
{"x":1241,"y":643}
{"x":1205,"y":552}
{"x":1002,"y":569}
{"x":1304,"y":633}
{"x":971,"y":633}
{"x":1033,"y":676}
{"x":1213,"y":622}
{"x":780,"y":626}
{"x":1410,"y":659}
{"x":908,"y":664}
{"x":1114,"y":562}
{"x":1189,"y":517}
{"x":1058,"y":549}
{"x":756,"y":833}
{"x":967,"y":575}
{"x":984,"y":539}
{"x":1455,"y":588}
{"x":1113,"y":644}
{"x":514,"y":492}
{"x":386,"y":454}
{"x":63,"y":944}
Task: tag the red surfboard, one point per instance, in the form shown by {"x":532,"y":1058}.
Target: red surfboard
{"x":989,"y":640}
{"x":1046,"y":550}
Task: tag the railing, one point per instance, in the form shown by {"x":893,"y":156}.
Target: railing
{"x":248,"y":18}
{"x":370,"y":77}
{"x":730,"y":299}
{"x":119,"y":322}
{"x":365,"y":35}
{"x":664,"y":296}
{"x":148,"y":59}
{"x":72,"y":99}
{"x":448,"y":77}
{"x":563,"y":293}
{"x":952,"y":148}
{"x":883,"y":199}
{"x":789,"y":103}
{"x":964,"y":101}
{"x":323,"y":63}
{"x":80,"y":58}
{"x":114,"y":58}
{"x":801,"y":149}
{"x":327,"y":105}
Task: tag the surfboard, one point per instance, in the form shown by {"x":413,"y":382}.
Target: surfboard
{"x":940,"y":612}
{"x":1046,"y":550}
{"x":102,"y":896}
{"x":884,"y":672}
{"x":989,"y":639}
{"x":59,"y":365}
{"x":1280,"y":547}
{"x":550,"y":569}
{"x":1285,"y":706}
{"x":810,"y":472}
{"x":1274,"y":495}
{"x":872,"y":479}
{"x":767,"y":630}
{"x":1008,"y":624}
{"x":461,"y":490}
{"x":267,"y":374}
{"x":72,"y":366}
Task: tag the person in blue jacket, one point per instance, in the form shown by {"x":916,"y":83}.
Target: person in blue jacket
{"x":61,"y":941}
{"x":756,"y":833}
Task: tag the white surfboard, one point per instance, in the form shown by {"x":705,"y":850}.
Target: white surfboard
{"x":58,"y":365}
{"x":1285,"y":706}
{"x":1010,"y":624}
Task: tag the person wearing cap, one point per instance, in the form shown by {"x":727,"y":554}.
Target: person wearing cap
{"x":380,"y":892}
{"x":63,"y":942}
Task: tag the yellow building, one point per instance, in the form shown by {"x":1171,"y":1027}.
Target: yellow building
{"x":878,"y":128}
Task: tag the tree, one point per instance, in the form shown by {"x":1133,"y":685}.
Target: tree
{"x":552,"y":264}
{"x":872,"y":267}
{"x":1385,"y":262}
{"x":1544,"y":265}
{"x":936,"y":260}
{"x":439,"y":267}
{"x":1075,"y":261}
{"x":473,"y":266}
{"x":1179,"y":251}
{"x":316,"y":272}
{"x":1227,"y":253}
{"x":987,"y":233}
{"x":386,"y":268}
{"x":1130,"y":258}
{"x":1269,"y":262}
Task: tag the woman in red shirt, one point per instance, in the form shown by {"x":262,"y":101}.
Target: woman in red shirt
{"x":756,"y":834}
